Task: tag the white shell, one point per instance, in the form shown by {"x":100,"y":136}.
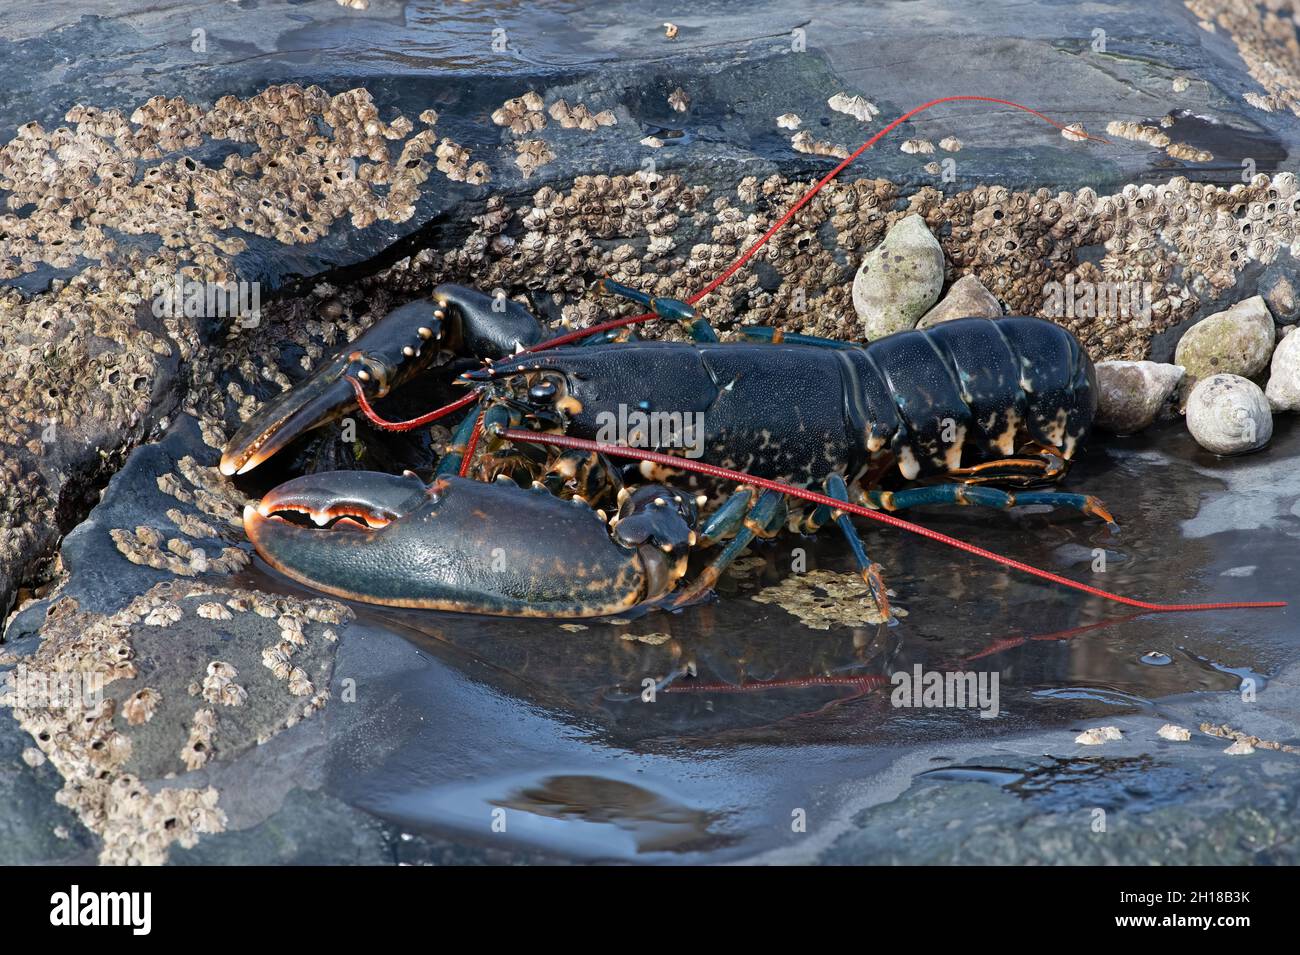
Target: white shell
{"x":1228,"y":414}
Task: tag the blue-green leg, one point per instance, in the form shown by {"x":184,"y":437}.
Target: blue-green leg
{"x":611,"y":336}
{"x":451,"y":461}
{"x":726,"y":519}
{"x":764,"y":518}
{"x":985,"y":496}
{"x":764,"y":333}
{"x":869,"y":569}
{"x":673,"y":309}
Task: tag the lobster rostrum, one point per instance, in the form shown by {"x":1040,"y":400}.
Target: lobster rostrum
{"x":975,"y":400}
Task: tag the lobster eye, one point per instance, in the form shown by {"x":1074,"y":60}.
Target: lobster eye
{"x":542,"y":391}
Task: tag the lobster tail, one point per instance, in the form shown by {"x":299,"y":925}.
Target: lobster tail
{"x":978,"y":389}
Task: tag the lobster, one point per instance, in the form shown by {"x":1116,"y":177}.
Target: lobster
{"x":979,"y":401}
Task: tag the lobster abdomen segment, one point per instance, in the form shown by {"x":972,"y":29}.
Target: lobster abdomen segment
{"x":978,"y":385}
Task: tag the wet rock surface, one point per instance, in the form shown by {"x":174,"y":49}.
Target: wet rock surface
{"x":147,"y":400}
{"x":1143,"y":801}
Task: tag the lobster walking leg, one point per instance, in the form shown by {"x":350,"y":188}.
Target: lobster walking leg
{"x":763,"y":519}
{"x":676,"y":310}
{"x":868,"y":568}
{"x":451,"y":461}
{"x":777,"y":336}
{"x":986,"y":497}
{"x":1032,"y":465}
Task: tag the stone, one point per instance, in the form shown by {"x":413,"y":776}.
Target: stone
{"x":1283,"y":390}
{"x":966,"y":297}
{"x":899,"y":280}
{"x":1132,"y":393}
{"x":1228,"y":414}
{"x":1236,"y":341}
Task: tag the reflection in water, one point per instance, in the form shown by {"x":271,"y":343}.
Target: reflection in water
{"x":657,"y":823}
{"x":1133,"y":783}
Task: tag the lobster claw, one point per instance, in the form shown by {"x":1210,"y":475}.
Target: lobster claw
{"x":399,"y":346}
{"x":465,"y":546}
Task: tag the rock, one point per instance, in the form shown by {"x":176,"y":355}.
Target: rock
{"x":1131,"y":393}
{"x":966,"y":297}
{"x":1237,"y":341}
{"x":1228,"y":414}
{"x":1178,"y":734}
{"x":1281,"y":293}
{"x":1283,"y":391}
{"x":899,"y":280}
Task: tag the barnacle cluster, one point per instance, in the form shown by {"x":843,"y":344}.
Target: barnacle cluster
{"x":658,"y":233}
{"x":580,"y":116}
{"x":88,"y":738}
{"x":102,"y":173}
{"x":804,"y":142}
{"x":523,"y":114}
{"x":532,"y":154}
{"x":453,"y":161}
{"x":858,"y":107}
{"x":1155,"y":136}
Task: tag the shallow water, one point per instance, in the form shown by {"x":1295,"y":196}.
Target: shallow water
{"x":475,"y":721}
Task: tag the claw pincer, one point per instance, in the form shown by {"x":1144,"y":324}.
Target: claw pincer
{"x":471,"y":547}
{"x":396,"y":348}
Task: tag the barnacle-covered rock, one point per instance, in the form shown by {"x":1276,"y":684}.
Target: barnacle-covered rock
{"x":899,"y":280}
{"x":1130,"y":394}
{"x":1228,"y":414}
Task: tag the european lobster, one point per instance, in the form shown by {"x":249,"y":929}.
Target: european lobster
{"x":981,"y":401}
{"x":1015,"y":396}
